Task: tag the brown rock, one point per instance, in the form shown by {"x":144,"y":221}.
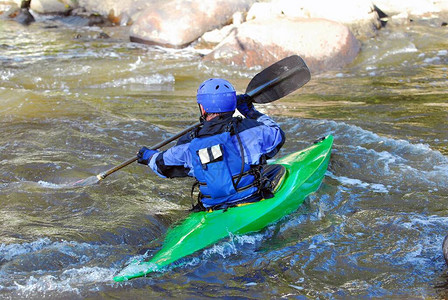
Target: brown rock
{"x":177,"y":23}
{"x":323,"y":44}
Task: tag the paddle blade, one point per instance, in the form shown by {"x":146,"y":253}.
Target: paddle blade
{"x":279,"y":80}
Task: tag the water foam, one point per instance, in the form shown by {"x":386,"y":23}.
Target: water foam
{"x":39,"y":280}
{"x":49,"y":185}
{"x":375,"y":187}
{"x":147,"y":81}
{"x":394,"y":162}
{"x":9,"y":252}
{"x":70,"y":281}
{"x":71,"y":248}
{"x":233,"y":246}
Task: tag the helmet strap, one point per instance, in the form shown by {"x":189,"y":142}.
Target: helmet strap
{"x":202,"y":111}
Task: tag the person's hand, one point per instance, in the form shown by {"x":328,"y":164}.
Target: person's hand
{"x":144,"y":155}
{"x":244,"y":104}
{"x":246,"y":107}
{"x":243,"y":98}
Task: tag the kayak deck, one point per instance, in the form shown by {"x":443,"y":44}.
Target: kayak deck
{"x":305,"y":171}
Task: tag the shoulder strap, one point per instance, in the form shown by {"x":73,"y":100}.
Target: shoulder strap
{"x":233,"y":130}
{"x":231,"y":127}
{"x":195,"y":131}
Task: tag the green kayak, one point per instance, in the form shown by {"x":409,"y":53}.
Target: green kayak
{"x":305,"y":171}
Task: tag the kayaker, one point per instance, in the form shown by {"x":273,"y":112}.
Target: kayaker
{"x":212,"y":153}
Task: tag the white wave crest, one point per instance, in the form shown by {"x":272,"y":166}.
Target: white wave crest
{"x":70,"y":281}
{"x":231,"y":247}
{"x":8,"y":252}
{"x":370,"y":157}
{"x":150,"y":82}
{"x":375,"y":187}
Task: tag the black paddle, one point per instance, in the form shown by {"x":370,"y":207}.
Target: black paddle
{"x":273,"y":83}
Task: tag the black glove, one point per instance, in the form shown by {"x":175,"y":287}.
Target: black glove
{"x":246,"y":107}
{"x":144,"y":155}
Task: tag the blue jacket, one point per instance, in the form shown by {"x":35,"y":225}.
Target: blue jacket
{"x":261,"y":139}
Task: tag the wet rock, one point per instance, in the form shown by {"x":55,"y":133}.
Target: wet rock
{"x":323,"y":44}
{"x":20,"y":15}
{"x":81,"y":17}
{"x":360,"y":16}
{"x":177,"y":23}
{"x":53,"y":6}
{"x":24,"y":17}
{"x":100,"y":35}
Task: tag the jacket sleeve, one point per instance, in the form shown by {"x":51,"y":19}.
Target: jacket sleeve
{"x":262,"y":139}
{"x":174,"y":162}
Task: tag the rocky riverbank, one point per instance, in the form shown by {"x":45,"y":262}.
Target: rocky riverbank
{"x":327,"y":34}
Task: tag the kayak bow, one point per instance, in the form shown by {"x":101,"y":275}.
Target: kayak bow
{"x":305,"y":172}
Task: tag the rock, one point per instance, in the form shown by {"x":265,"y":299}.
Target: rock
{"x":411,"y":7}
{"x":177,"y":23}
{"x":7,"y":6}
{"x":360,"y":16}
{"x":25,"y":4}
{"x":263,"y":10}
{"x":81,"y":17}
{"x":123,"y":12}
{"x":20,"y":15}
{"x":24,"y":17}
{"x":323,"y":44}
{"x":217,"y":35}
{"x":53,"y":6}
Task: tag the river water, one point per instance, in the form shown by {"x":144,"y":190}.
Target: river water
{"x":73,"y":105}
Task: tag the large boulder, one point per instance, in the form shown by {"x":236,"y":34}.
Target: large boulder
{"x":177,"y":23}
{"x":53,"y":6}
{"x":323,"y":44}
{"x":360,"y":15}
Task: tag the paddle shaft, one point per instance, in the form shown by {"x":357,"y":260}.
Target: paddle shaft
{"x":157,"y":146}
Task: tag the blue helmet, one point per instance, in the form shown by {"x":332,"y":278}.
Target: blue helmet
{"x":217,"y":96}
